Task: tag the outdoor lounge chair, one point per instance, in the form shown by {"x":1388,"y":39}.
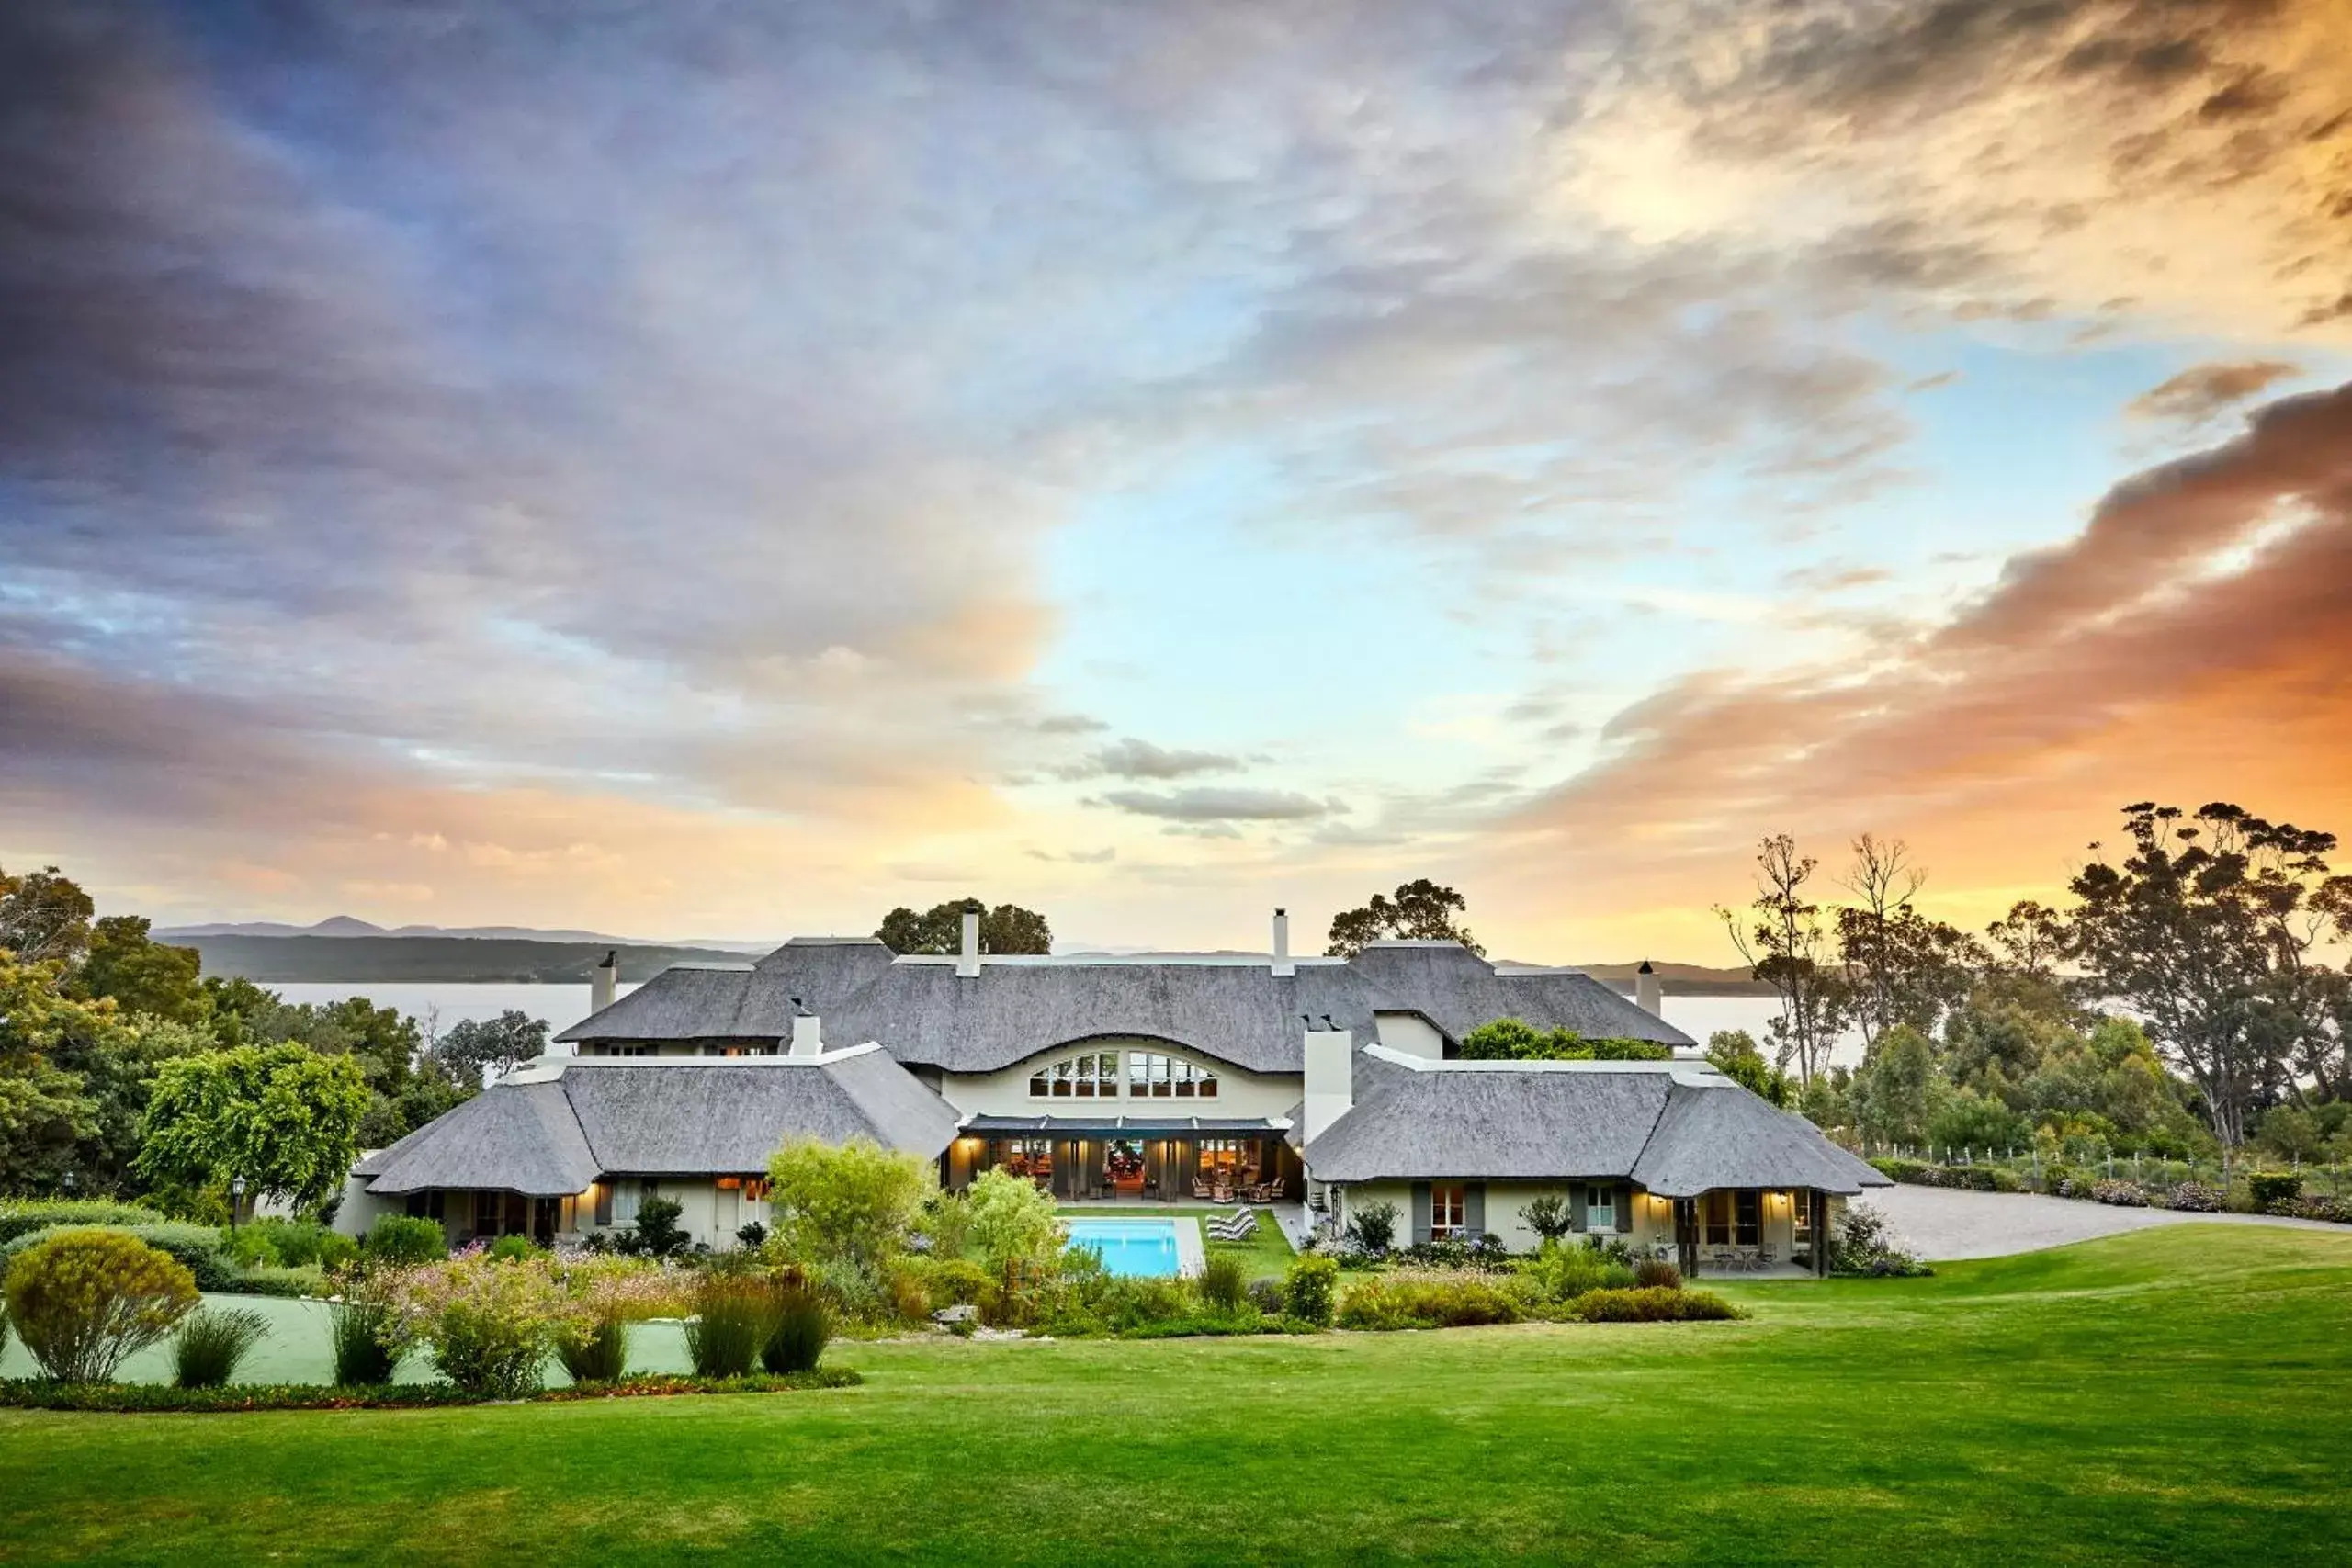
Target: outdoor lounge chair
{"x":1235,"y":1227}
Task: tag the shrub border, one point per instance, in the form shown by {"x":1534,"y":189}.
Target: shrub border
{"x":132,"y":1399}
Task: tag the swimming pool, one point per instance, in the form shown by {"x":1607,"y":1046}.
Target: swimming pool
{"x":1130,"y":1247}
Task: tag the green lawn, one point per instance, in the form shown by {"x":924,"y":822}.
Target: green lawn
{"x":2174,"y":1396}
{"x":1266,"y":1255}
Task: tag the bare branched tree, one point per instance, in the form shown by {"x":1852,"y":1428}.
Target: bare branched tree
{"x":1785,"y":944}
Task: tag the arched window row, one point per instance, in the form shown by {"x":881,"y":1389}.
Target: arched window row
{"x":1147,"y":1074}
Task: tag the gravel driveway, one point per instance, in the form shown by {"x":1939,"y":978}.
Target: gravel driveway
{"x":1937,"y":1222}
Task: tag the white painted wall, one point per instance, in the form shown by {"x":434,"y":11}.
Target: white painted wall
{"x":1006,"y":1092}
{"x":1411,"y":1033}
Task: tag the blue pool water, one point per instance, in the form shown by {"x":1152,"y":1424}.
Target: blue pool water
{"x":1129,"y":1246}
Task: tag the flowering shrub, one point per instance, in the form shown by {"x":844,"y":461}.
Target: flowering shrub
{"x":1863,"y":1244}
{"x":2194,"y":1197}
{"x":82,"y":1301}
{"x":1560,"y":1271}
{"x":492,"y":1324}
{"x":2337,"y":1210}
{"x":2120,"y":1193}
{"x":614,"y":1293}
{"x":1373,"y":1227}
{"x":1308,"y":1287}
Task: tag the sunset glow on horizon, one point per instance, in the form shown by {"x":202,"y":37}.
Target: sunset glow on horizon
{"x":723,"y":471}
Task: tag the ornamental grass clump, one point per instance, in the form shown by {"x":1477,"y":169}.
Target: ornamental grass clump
{"x":1223,"y":1284}
{"x":613,"y":1293}
{"x":210,"y":1343}
{"x":734,"y":1318}
{"x":803,"y":1325}
{"x":82,"y":1300}
{"x":366,"y":1336}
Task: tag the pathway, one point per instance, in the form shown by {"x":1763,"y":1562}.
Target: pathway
{"x":1939,"y":1222}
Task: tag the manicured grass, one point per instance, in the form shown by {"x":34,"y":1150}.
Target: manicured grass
{"x":1267,"y":1254}
{"x":2172,"y":1395}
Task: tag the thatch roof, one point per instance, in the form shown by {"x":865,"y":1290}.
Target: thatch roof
{"x":1677,"y":1128}
{"x":1724,"y":1136}
{"x":556,"y":1124}
{"x":1234,"y":1010}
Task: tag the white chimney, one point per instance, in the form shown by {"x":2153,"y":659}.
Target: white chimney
{"x":808,"y":1037}
{"x":968,"y":960}
{"x":1649,"y":995}
{"x":1330,"y":1079}
{"x":1282,"y":965}
{"x":604,"y":985}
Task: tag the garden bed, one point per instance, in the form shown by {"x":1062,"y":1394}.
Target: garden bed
{"x":37,"y":1393}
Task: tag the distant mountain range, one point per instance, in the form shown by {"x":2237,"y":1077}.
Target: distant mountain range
{"x":348,"y":927}
{"x":344,"y":949}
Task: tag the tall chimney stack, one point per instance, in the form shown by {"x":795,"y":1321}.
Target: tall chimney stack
{"x":1330,"y":1081}
{"x":605,"y":984}
{"x":1282,"y":965}
{"x":968,"y":960}
{"x":1649,"y":995}
{"x":808,"y":1034}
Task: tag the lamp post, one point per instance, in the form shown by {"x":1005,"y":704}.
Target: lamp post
{"x":236,"y":1199}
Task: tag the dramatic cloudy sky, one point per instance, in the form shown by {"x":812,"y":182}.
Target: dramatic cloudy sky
{"x":690,"y":468}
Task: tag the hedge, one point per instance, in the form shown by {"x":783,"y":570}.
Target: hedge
{"x":198,"y":1247}
{"x":35,"y":1394}
{"x":26,"y":1215}
{"x":1965,"y":1177}
{"x":1655,"y":1304}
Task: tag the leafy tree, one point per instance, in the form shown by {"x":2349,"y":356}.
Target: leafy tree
{"x":283,"y":1117}
{"x":474,"y":1047}
{"x":45,"y":1113}
{"x":139,"y":975}
{"x":1422,"y":910}
{"x":117,"y":1060}
{"x":1967,"y":1120}
{"x":1011,"y":1221}
{"x":1515,"y":1040}
{"x":1897,"y":1091}
{"x":849,"y":1204}
{"x":1828,"y":1099}
{"x":44,"y":916}
{"x":1901,"y":967}
{"x":406,"y":1086}
{"x":2028,"y":942}
{"x":1785,"y":943}
{"x":1736,"y":1054}
{"x":231,"y":1006}
{"x":1008,"y":928}
{"x":2206,"y":930}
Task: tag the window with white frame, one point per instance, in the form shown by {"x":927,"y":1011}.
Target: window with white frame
{"x":1095,"y":1075}
{"x":1599,"y":1207}
{"x":1449,"y":1211}
{"x":1156,"y":1077}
